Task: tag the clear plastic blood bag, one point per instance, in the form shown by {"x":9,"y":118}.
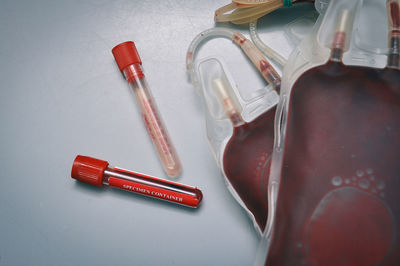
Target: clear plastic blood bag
{"x":129,"y":63}
{"x":98,"y":173}
{"x":244,"y":155}
{"x":247,"y":153}
{"x":338,"y":201}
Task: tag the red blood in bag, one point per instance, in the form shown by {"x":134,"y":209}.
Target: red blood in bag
{"x":246,"y":158}
{"x":339,"y":196}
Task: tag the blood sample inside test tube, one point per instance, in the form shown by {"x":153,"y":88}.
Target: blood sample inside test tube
{"x":98,"y":172}
{"x":129,"y":63}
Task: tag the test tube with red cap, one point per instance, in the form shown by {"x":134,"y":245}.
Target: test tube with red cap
{"x":129,"y":63}
{"x":98,"y":173}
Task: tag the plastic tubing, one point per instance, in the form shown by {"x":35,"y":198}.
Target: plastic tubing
{"x":245,"y":13}
{"x":267,"y":51}
{"x":191,"y":52}
{"x":248,"y":12}
{"x":262,"y":65}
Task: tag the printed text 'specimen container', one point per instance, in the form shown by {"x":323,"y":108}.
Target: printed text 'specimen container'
{"x":129,"y":63}
{"x":98,"y":173}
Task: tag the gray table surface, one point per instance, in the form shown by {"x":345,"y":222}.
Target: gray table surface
{"x":62,"y":95}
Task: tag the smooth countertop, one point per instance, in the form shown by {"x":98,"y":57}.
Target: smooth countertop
{"x":62,"y":95}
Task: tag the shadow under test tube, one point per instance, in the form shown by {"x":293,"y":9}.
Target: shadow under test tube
{"x":129,"y":63}
{"x":98,"y":173}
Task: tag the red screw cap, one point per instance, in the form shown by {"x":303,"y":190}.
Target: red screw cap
{"x":89,"y":170}
{"x":126,"y":54}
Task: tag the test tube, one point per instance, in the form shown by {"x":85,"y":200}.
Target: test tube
{"x":98,"y":173}
{"x":129,"y":63}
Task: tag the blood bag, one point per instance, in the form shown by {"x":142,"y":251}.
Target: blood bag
{"x":334,"y":181}
{"x":247,"y":151}
{"x":240,"y":128}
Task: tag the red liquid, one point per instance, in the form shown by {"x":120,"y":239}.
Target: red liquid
{"x":246,"y":157}
{"x":394,"y":14}
{"x":339,"y":197}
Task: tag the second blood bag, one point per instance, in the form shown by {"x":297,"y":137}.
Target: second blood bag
{"x":335,"y":177}
{"x":246,"y":153}
{"x":240,"y":129}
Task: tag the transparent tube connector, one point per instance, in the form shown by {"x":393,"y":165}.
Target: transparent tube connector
{"x":130,"y":64}
{"x":393,"y":11}
{"x":228,"y":100}
{"x":98,"y":173}
{"x":258,"y":60}
{"x":343,"y":28}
